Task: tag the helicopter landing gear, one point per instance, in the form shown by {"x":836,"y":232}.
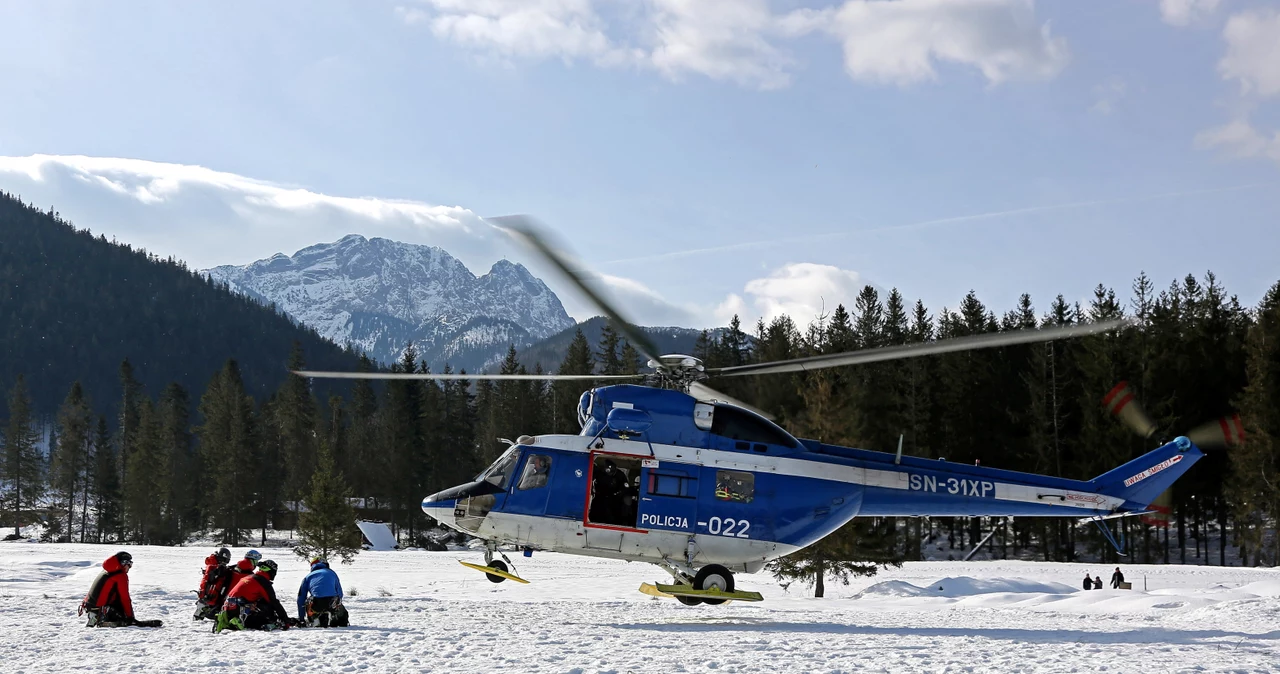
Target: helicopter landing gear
{"x":499,"y":565}
{"x":712,"y":576}
{"x":496,"y":571}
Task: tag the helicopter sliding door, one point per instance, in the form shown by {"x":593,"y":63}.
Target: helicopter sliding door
{"x":612,"y":500}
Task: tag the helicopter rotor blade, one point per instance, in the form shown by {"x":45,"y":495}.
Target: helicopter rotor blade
{"x":1227,"y":431}
{"x":705,"y":393}
{"x":1121,"y":404}
{"x":430,"y":375}
{"x":538,"y":237}
{"x":885,"y":353}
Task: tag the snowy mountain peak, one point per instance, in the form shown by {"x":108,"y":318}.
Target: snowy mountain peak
{"x":380,"y":294}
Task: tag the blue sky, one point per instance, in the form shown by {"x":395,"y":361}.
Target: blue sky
{"x":799,"y":146}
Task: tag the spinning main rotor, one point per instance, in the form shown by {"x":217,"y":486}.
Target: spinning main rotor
{"x":687,"y":373}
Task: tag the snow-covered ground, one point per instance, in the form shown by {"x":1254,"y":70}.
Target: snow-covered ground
{"x":422,"y":611}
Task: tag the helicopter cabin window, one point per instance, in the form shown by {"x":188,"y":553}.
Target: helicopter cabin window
{"x":738,"y":424}
{"x":735,"y":485}
{"x":671,"y":484}
{"x":500,"y":472}
{"x":536,"y":470}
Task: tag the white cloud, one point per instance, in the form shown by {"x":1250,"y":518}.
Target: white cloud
{"x":721,"y":40}
{"x":1183,"y":12}
{"x":1241,"y":140}
{"x":741,"y":41}
{"x":208,"y":217}
{"x":898,"y":42}
{"x":568,"y":29}
{"x":1253,"y":51}
{"x":802,"y":290}
{"x":1107,"y":95}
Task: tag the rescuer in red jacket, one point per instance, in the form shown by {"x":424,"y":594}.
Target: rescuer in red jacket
{"x":214,"y":585}
{"x":244,"y":568}
{"x":108,"y":602}
{"x":252,"y":603}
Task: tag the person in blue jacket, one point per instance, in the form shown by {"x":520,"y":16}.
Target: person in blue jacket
{"x":320,"y":597}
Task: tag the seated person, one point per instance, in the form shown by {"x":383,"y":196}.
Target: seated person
{"x":320,"y":597}
{"x":252,"y":604}
{"x":108,"y":602}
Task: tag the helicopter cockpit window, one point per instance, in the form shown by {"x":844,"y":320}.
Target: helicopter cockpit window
{"x":536,"y":470}
{"x":735,"y":485}
{"x":499,"y":473}
{"x":738,"y":424}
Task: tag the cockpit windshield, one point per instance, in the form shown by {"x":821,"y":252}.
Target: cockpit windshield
{"x":500,"y":472}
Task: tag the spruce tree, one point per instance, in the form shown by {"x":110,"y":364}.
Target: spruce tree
{"x":127,"y":421}
{"x":178,"y":456}
{"x":327,"y":525}
{"x":106,"y":484}
{"x":70,"y":459}
{"x":566,"y":393}
{"x":147,"y":484}
{"x":228,"y":451}
{"x":24,"y":468}
{"x":1255,"y":475}
{"x":608,"y":357}
{"x":366,"y":455}
{"x":295,"y":420}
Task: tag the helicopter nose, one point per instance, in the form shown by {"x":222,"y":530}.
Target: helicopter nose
{"x":440,"y":510}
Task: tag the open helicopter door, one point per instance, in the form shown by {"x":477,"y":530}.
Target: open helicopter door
{"x":612,"y":499}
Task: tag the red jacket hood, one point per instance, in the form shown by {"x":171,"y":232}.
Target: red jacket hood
{"x":111,"y":565}
{"x":245,"y":566}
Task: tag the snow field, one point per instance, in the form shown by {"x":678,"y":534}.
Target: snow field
{"x":424,"y":612}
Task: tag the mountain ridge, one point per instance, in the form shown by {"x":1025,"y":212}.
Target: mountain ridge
{"x":377,"y":295}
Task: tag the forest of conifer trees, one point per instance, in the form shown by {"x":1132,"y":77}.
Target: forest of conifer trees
{"x":138,"y":469}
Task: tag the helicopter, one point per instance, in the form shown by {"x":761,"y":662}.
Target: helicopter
{"x":669,"y":471}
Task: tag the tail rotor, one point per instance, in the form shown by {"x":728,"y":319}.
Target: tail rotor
{"x":1120,"y":402}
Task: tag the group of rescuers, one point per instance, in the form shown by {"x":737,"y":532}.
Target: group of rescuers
{"x":240,"y":596}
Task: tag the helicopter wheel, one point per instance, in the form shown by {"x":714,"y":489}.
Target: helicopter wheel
{"x":692,"y":601}
{"x":713,"y":576}
{"x":499,"y":565}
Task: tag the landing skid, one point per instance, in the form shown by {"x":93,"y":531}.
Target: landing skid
{"x":682,"y":590}
{"x":494,"y":572}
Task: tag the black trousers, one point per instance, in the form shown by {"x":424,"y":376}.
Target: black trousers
{"x":327,"y":610}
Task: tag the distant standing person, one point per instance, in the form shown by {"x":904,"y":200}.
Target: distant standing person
{"x":1097,"y":582}
{"x":1116,"y":579}
{"x":1088,"y":582}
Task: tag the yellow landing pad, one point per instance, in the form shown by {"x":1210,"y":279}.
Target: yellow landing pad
{"x":660,"y":590}
{"x":493,"y":571}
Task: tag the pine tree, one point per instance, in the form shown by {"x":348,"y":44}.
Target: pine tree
{"x":608,"y":356}
{"x":106,"y":484}
{"x":404,"y":440}
{"x":147,"y":483}
{"x":182,"y":464}
{"x":295,"y":421}
{"x":566,"y":393}
{"x":24,"y":469}
{"x":327,"y":526}
{"x":456,"y":449}
{"x":367,"y":465}
{"x":127,"y":421}
{"x":228,"y":452}
{"x":70,"y":460}
{"x":1255,"y":475}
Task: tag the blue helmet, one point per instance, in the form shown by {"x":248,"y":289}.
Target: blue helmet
{"x":253,"y":555}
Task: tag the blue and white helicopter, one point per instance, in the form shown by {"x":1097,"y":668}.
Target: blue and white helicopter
{"x":675,"y":473}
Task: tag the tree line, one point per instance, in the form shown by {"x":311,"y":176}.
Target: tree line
{"x":158,"y":470}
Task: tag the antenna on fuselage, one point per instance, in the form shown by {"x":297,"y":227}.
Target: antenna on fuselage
{"x":898,"y":459}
